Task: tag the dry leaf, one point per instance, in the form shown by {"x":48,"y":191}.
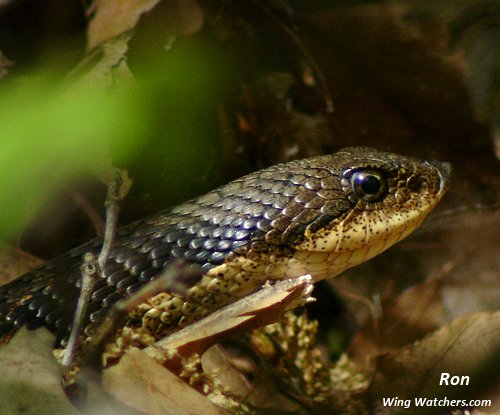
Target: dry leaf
{"x":115,"y":17}
{"x":14,"y":262}
{"x":415,"y":313}
{"x":144,"y":384}
{"x":29,"y":369}
{"x":470,"y":346}
{"x":217,"y":360}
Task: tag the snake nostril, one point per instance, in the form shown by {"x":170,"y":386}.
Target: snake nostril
{"x":416,"y":184}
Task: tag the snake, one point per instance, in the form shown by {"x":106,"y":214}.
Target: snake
{"x":316,"y":216}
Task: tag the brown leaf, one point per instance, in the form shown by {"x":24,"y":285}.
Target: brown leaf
{"x":470,"y":346}
{"x":29,"y":369}
{"x":14,"y":262}
{"x":217,"y":360}
{"x":415,"y":313}
{"x":106,"y":65}
{"x":144,"y":384}
{"x":115,"y":17}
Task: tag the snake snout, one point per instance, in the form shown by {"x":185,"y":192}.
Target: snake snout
{"x":444,"y":170}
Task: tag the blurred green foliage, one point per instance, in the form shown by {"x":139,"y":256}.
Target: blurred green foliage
{"x":49,"y":134}
{"x":161,"y":126}
{"x":181,"y":90}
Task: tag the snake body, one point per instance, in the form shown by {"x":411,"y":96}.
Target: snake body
{"x":315,"y":216}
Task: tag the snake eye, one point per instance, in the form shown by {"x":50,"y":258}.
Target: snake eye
{"x":369,"y":185}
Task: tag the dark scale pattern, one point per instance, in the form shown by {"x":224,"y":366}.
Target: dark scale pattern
{"x":272,"y":206}
{"x":269,"y":207}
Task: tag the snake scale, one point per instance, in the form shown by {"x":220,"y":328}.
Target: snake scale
{"x":316,"y":216}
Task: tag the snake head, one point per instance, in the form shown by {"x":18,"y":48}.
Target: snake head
{"x":379,"y":198}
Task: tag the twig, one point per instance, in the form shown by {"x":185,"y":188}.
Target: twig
{"x":114,"y":196}
{"x":91,"y":271}
{"x":92,"y":214}
{"x":90,"y":275}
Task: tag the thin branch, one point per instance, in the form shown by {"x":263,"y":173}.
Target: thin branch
{"x":91,"y":271}
{"x":94,"y":217}
{"x":90,"y":275}
{"x":112,"y":204}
